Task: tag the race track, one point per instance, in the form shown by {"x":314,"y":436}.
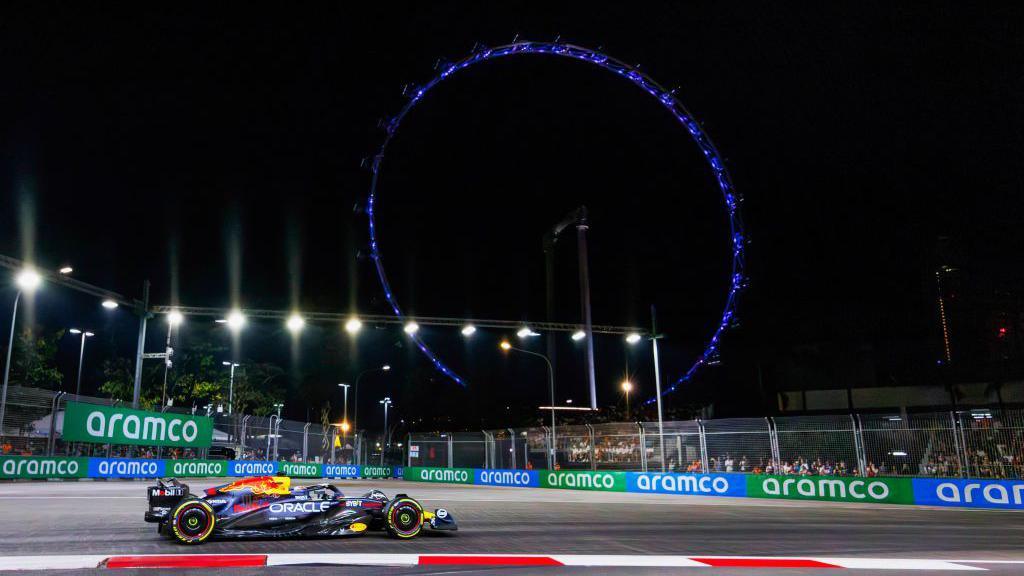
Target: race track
{"x":66,"y":518}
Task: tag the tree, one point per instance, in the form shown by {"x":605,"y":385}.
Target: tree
{"x":33,"y":361}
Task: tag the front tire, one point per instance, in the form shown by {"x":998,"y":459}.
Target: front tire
{"x":191,"y":521}
{"x":404,"y":518}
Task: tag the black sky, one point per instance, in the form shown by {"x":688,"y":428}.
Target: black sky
{"x":145,"y":144}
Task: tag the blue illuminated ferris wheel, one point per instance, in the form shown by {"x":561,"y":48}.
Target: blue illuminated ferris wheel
{"x":667,"y":99}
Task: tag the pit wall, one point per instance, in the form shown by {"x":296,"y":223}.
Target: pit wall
{"x":955,"y":492}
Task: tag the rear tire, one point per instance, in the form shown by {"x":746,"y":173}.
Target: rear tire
{"x":191,"y":521}
{"x":404,"y":518}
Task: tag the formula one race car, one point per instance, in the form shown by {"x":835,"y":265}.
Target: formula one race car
{"x":266,"y":507}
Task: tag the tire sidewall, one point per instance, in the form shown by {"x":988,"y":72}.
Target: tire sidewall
{"x":397,"y":507}
{"x":184,"y":507}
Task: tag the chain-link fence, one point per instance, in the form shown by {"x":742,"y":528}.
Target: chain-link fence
{"x":976,"y":443}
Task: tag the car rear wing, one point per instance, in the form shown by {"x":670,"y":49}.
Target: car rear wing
{"x":163,"y":497}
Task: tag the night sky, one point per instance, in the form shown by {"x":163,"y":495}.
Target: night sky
{"x":218,"y":154}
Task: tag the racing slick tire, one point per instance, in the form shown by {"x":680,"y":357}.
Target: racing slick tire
{"x":191,"y":521}
{"x":403,"y":518}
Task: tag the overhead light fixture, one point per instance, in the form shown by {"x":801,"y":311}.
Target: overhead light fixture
{"x":236,"y":320}
{"x":174,"y":318}
{"x":67,"y":270}
{"x":632,"y":338}
{"x":386,"y":367}
{"x":627,"y":386}
{"x":109,"y":304}
{"x":468,"y":330}
{"x":89,"y":334}
{"x":579,"y":335}
{"x":28,"y":280}
{"x":411,"y":328}
{"x":353,"y":325}
{"x":295,"y":323}
{"x":75,"y":331}
{"x":526,"y":332}
{"x":505,"y":345}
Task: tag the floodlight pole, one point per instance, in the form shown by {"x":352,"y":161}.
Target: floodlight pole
{"x":657,"y":385}
{"x":143,"y":316}
{"x":7,"y":366}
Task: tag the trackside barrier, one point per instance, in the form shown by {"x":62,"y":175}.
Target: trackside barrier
{"x":953,"y":492}
{"x":42,"y":467}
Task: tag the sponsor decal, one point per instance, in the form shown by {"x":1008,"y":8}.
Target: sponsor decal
{"x":114,"y":425}
{"x":307,"y":507}
{"x":262,"y":485}
{"x":450,"y":475}
{"x":247,"y":506}
{"x":584,"y":480}
{"x":376,"y":472}
{"x":888,"y":490}
{"x":217,"y":501}
{"x":40,"y":467}
{"x":301,"y":469}
{"x":251,"y":468}
{"x":698,"y":484}
{"x":969,"y":493}
{"x":398,"y":471}
{"x":340,"y":471}
{"x":507,"y":478}
{"x":125,"y":468}
{"x":197,"y":468}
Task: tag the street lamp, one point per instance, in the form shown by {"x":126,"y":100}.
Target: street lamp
{"x":174,"y":319}
{"x":387,"y":436}
{"x":344,"y":419}
{"x":65,"y":270}
{"x":526,"y":332}
{"x":27,"y":281}
{"x":278,"y":407}
{"x":578,"y":335}
{"x":654,"y":337}
{"x":468,"y":330}
{"x":411,"y":328}
{"x":109,"y":304}
{"x":353,"y":325}
{"x":81,"y":354}
{"x":632,"y":338}
{"x":231,"y":387}
{"x":627,"y":387}
{"x":355,"y":410}
{"x":236,"y":320}
{"x":295,"y":323}
{"x":551,"y":380}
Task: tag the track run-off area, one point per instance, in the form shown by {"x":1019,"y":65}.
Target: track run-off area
{"x":557,"y":530}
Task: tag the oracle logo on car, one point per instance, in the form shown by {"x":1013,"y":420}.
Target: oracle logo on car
{"x":507,"y":477}
{"x":308,"y":507}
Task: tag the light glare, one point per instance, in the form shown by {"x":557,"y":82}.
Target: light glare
{"x":411,"y":328}
{"x":579,"y":335}
{"x":295,"y":323}
{"x":174,"y":318}
{"x":236,"y":320}
{"x":633,"y":338}
{"x":109,"y":304}
{"x":353,"y":325}
{"x":468,"y":330}
{"x":28,"y":280}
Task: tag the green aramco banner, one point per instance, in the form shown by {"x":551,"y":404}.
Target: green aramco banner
{"x":112,"y":425}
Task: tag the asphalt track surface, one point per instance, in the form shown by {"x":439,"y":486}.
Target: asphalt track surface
{"x":50,"y":518}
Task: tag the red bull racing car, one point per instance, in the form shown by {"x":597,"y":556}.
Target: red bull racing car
{"x":268,"y":507}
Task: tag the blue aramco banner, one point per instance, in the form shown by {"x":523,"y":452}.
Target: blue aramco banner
{"x":125,"y":468}
{"x":970,"y":493}
{"x":507,"y":477}
{"x":251,"y":468}
{"x":696,"y":484}
{"x":341,"y":471}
